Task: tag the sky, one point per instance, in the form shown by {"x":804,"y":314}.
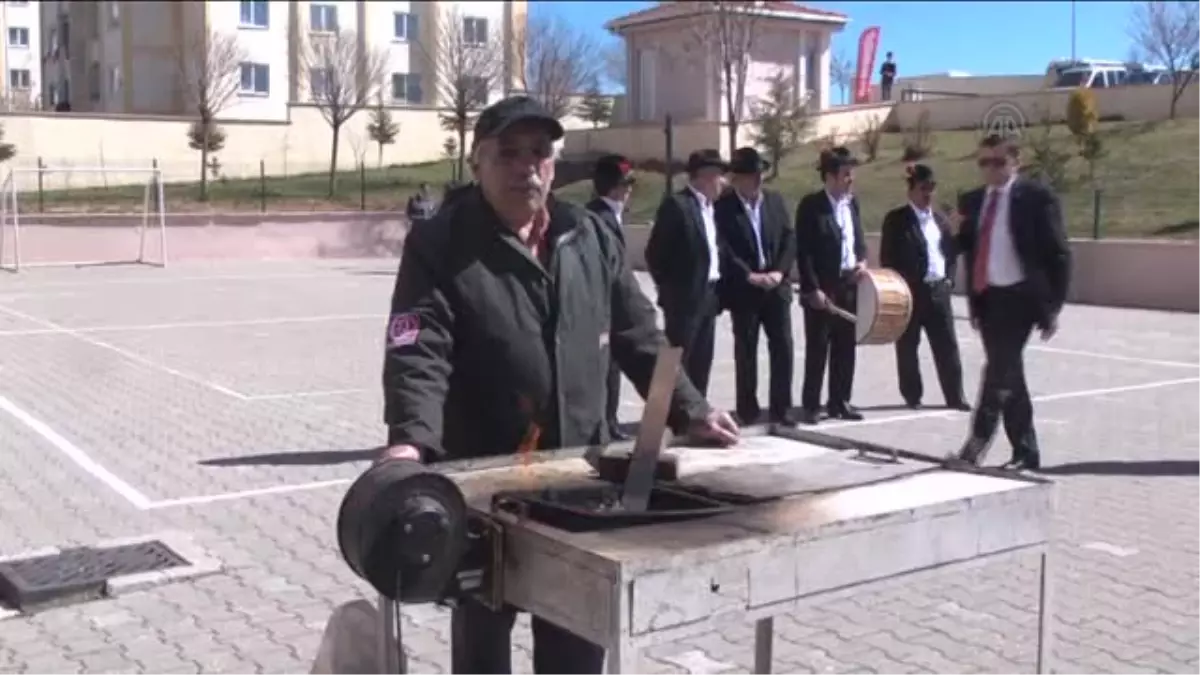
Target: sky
{"x":980,"y":38}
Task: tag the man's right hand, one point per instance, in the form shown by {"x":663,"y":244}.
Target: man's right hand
{"x":817,"y":299}
{"x":956,"y":221}
{"x":399,"y":452}
{"x":759,"y":279}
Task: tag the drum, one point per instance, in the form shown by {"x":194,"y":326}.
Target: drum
{"x":885,"y":306}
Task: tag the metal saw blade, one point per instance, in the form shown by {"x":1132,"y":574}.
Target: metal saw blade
{"x":640,"y":479}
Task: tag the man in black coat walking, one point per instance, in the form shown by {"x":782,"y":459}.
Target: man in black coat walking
{"x":756,"y":261}
{"x":612,"y":180}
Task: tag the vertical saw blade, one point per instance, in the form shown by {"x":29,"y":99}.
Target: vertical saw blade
{"x":642,"y":465}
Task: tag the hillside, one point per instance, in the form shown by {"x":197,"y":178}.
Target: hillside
{"x":1147,"y":182}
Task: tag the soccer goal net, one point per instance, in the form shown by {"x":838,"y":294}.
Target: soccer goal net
{"x":80,"y":216}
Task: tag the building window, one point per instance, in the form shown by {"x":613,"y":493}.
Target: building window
{"x":322,"y":18}
{"x":255,"y":13}
{"x":476,"y":88}
{"x":406,"y":87}
{"x":256,"y":79}
{"x":94,"y":82}
{"x":18,"y":37}
{"x":318,"y":82}
{"x":114,"y":80}
{"x":405,"y":26}
{"x":18,"y":78}
{"x":114,"y":13}
{"x":475,"y":31}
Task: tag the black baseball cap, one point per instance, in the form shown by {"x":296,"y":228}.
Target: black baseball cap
{"x":501,"y":115}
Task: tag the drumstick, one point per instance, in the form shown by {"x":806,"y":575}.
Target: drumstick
{"x":838,"y":311}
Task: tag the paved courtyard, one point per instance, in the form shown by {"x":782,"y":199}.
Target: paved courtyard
{"x":233,"y":402}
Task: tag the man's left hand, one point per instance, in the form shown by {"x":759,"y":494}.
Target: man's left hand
{"x":717,"y":428}
{"x":859,"y":270}
{"x":775,"y":277}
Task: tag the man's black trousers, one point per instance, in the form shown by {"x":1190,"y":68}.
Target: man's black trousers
{"x":1006,"y":320}
{"x":694,"y":329}
{"x":830,"y":339}
{"x":772,"y":311}
{"x":933,"y":314}
{"x":481,"y":642}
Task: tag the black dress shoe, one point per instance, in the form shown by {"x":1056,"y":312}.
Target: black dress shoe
{"x":787,"y":419}
{"x":810,"y":416}
{"x":846,"y":412}
{"x":615,"y":434}
{"x":961,"y":406}
{"x":973,"y":452}
{"x":1025,"y":463}
{"x":746,"y":419}
{"x":913,"y":405}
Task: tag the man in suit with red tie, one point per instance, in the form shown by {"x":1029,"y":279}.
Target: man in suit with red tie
{"x":613,"y":182}
{"x":1018,"y":270}
{"x":758,"y":256}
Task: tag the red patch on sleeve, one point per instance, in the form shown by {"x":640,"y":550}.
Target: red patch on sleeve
{"x":403,"y":330}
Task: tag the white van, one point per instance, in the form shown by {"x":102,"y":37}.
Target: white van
{"x":1081,"y":72}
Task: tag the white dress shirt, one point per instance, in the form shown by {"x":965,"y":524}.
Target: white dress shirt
{"x":936,"y":269}
{"x":710,"y":233}
{"x":754,"y":212}
{"x":1003,"y":264}
{"x":617,"y":208}
{"x":844,"y":216}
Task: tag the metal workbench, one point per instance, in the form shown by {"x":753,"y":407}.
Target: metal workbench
{"x":633,"y":588}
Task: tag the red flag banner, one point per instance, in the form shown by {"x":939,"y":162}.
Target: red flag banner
{"x":868,"y":43}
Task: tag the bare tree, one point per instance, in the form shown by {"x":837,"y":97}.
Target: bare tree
{"x":615,"y":64}
{"x":469,"y":67}
{"x":1168,"y":33}
{"x":779,"y":123}
{"x":726,"y":29}
{"x":343,"y":76}
{"x":208,"y":66}
{"x":560,"y":62}
{"x":841,"y":71}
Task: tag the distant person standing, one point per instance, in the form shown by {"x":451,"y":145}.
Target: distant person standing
{"x":887,"y":75}
{"x":421,"y":205}
{"x":613,"y":182}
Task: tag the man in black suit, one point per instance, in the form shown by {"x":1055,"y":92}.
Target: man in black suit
{"x":613,"y":182}
{"x":831,"y":255}
{"x":1018,"y":270}
{"x":758,"y":254}
{"x":683,"y":256}
{"x":917,"y":242}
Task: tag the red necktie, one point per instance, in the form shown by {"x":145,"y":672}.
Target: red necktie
{"x":979,"y":278}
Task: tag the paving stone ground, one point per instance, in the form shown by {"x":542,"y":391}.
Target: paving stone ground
{"x":134,"y":401}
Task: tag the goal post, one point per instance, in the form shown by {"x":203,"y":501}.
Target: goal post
{"x":114,"y":215}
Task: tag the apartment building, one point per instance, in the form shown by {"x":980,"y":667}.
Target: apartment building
{"x":122,"y":57}
{"x":20,"y":24}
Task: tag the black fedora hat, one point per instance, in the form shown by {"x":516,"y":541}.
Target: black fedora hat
{"x":920,"y":173}
{"x":614,"y":170}
{"x":748,"y":161}
{"x":704,"y":159}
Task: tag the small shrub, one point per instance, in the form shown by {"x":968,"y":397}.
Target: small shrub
{"x":1082,"y":116}
{"x":1047,"y":161}
{"x":869,"y":137}
{"x":7,"y":150}
{"x":918,"y":140}
{"x":197,"y":138}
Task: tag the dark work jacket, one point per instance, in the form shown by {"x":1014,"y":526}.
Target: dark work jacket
{"x":739,"y":255}
{"x":601,"y":208}
{"x":503,"y":341}
{"x":819,"y":242}
{"x":677,"y":253}
{"x":1040,"y":239}
{"x":903,"y":246}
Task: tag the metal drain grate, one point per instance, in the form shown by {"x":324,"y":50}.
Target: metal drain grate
{"x":79,"y":574}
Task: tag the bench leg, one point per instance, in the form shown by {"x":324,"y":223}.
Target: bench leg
{"x":764,"y":638}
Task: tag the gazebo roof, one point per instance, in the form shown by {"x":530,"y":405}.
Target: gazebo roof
{"x":671,"y":11}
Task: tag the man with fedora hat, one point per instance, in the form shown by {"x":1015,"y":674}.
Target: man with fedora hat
{"x":683,"y":256}
{"x":508,"y":304}
{"x":831,"y":255}
{"x":759,"y":252}
{"x":612,"y":180}
{"x":918,"y":242}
